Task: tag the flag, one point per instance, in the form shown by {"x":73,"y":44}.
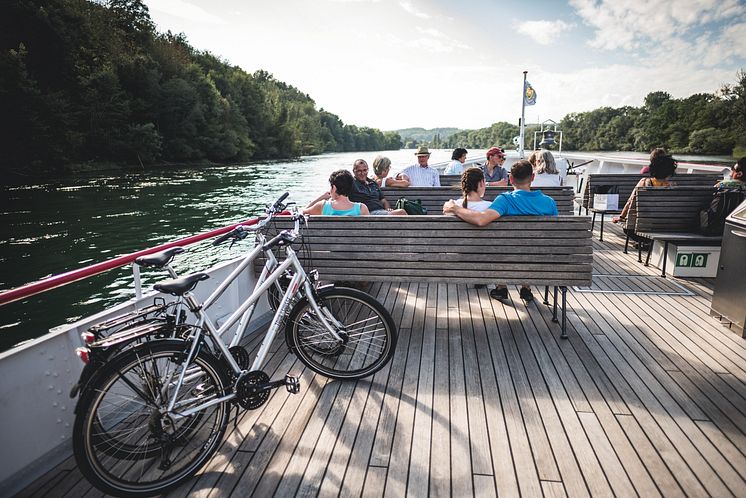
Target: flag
{"x":529,"y":94}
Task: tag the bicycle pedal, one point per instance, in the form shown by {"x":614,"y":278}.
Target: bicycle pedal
{"x":292,"y":384}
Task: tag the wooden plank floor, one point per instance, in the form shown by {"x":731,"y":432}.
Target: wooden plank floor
{"x":647,"y":397}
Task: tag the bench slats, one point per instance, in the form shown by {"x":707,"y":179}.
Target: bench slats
{"x":626,"y":183}
{"x":576,"y":246}
{"x":541,"y":250}
{"x":674,"y":209}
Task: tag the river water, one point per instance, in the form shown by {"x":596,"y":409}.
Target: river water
{"x":57,"y":226}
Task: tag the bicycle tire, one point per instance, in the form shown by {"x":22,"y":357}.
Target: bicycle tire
{"x":367,"y":326}
{"x":274,"y":295}
{"x":122,"y":442}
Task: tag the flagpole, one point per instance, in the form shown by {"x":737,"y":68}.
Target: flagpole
{"x":523,"y":116}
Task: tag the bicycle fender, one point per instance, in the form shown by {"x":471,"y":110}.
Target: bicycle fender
{"x":89,"y":376}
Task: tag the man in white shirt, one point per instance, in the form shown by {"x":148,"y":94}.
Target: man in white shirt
{"x":420,"y":174}
{"x":458,"y":158}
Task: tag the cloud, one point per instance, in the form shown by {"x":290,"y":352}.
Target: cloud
{"x":436,"y":41}
{"x":543,"y":32}
{"x":409,"y":7}
{"x":185,"y":10}
{"x":635,"y":23}
{"x":729,"y":43}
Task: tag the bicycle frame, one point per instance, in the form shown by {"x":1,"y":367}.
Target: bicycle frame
{"x":266,"y":279}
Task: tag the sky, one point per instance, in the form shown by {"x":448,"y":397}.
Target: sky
{"x":393,"y":64}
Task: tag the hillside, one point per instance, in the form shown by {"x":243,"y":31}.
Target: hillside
{"x":420,"y":135}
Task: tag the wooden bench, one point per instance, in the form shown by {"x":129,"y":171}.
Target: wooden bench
{"x":671,"y":214}
{"x":534,"y":250}
{"x":433,"y":198}
{"x":624,"y":184}
{"x":449,"y":180}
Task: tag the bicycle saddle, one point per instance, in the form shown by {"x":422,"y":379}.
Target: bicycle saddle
{"x":178,"y":286}
{"x":159,"y":259}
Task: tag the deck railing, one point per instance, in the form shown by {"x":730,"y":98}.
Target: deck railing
{"x":55,"y":281}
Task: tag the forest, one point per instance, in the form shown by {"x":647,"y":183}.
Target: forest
{"x":90,"y":84}
{"x":704,"y":123}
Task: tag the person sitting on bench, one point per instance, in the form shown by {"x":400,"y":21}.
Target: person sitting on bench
{"x":336,"y":202}
{"x":662,"y":167}
{"x":522,"y":201}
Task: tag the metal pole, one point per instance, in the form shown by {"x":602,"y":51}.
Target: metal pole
{"x":523,"y":116}
{"x":136,"y":276}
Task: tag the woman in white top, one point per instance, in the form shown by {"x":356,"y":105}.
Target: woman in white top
{"x":382,"y":168}
{"x":546,"y":173}
{"x":473,"y":187}
{"x":458,"y":158}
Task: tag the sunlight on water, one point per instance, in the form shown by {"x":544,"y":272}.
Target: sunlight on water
{"x":50,"y":228}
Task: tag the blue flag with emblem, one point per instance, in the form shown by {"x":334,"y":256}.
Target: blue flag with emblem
{"x":529,"y":94}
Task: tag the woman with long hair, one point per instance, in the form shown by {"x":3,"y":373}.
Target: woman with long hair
{"x":473,"y":188}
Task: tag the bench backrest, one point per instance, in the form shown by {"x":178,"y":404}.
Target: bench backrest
{"x":670,"y":209}
{"x":433,"y":198}
{"x":539,"y":250}
{"x":448,"y":180}
{"x":625,"y":183}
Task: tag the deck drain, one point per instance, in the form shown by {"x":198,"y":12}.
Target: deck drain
{"x":634,"y":284}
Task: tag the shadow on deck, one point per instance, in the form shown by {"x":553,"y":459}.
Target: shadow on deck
{"x":647,"y":397}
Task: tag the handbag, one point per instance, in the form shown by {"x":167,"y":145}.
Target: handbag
{"x":413,"y":207}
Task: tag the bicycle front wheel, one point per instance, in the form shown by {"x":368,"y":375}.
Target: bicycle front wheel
{"x":125,"y":440}
{"x":367,"y":331}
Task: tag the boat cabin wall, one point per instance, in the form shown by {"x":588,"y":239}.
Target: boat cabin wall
{"x":35,"y":381}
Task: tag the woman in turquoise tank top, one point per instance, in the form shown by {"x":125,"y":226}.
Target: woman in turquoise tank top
{"x":336,"y":202}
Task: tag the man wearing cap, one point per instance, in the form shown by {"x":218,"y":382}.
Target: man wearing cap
{"x":494,"y":173}
{"x":420,"y":174}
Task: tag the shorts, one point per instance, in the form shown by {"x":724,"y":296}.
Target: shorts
{"x":381,"y":212}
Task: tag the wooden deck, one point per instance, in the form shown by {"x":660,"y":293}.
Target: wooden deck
{"x":647,"y":397}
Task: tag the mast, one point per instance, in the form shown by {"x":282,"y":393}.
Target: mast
{"x":523,"y":116}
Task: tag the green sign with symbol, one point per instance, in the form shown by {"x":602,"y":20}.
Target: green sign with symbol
{"x":693,"y":260}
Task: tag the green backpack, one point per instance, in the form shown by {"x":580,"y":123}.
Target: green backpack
{"x":411,"y":207}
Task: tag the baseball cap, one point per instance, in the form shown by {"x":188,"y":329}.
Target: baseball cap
{"x":495,"y":151}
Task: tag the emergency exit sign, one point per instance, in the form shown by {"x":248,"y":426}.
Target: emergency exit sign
{"x":691,"y":259}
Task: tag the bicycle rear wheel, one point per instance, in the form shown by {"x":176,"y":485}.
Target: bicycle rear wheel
{"x":126,"y":443}
{"x":368,"y":334}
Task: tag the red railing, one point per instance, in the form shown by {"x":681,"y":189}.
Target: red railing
{"x":72,"y":276}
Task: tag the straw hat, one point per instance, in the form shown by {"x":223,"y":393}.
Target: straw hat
{"x":422,"y":151}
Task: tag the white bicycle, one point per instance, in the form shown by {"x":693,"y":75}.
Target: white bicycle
{"x":153,"y":413}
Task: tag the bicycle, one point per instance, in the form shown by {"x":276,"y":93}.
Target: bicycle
{"x":155,"y":412}
{"x":161,"y":320}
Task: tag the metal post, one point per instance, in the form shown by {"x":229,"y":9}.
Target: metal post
{"x":136,"y":277}
{"x":554,"y":310}
{"x":523,"y":116}
{"x":564,"y":313}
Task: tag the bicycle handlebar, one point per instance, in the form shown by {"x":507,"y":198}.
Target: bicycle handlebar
{"x":277,"y":206}
{"x":271,"y":210}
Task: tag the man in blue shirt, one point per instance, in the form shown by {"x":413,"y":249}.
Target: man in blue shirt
{"x":522,"y":201}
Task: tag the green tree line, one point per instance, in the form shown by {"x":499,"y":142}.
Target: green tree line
{"x":704,"y":123}
{"x":94,"y":82}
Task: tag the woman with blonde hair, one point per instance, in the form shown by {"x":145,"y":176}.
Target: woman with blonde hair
{"x":546,"y":173}
{"x":382,"y":168}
